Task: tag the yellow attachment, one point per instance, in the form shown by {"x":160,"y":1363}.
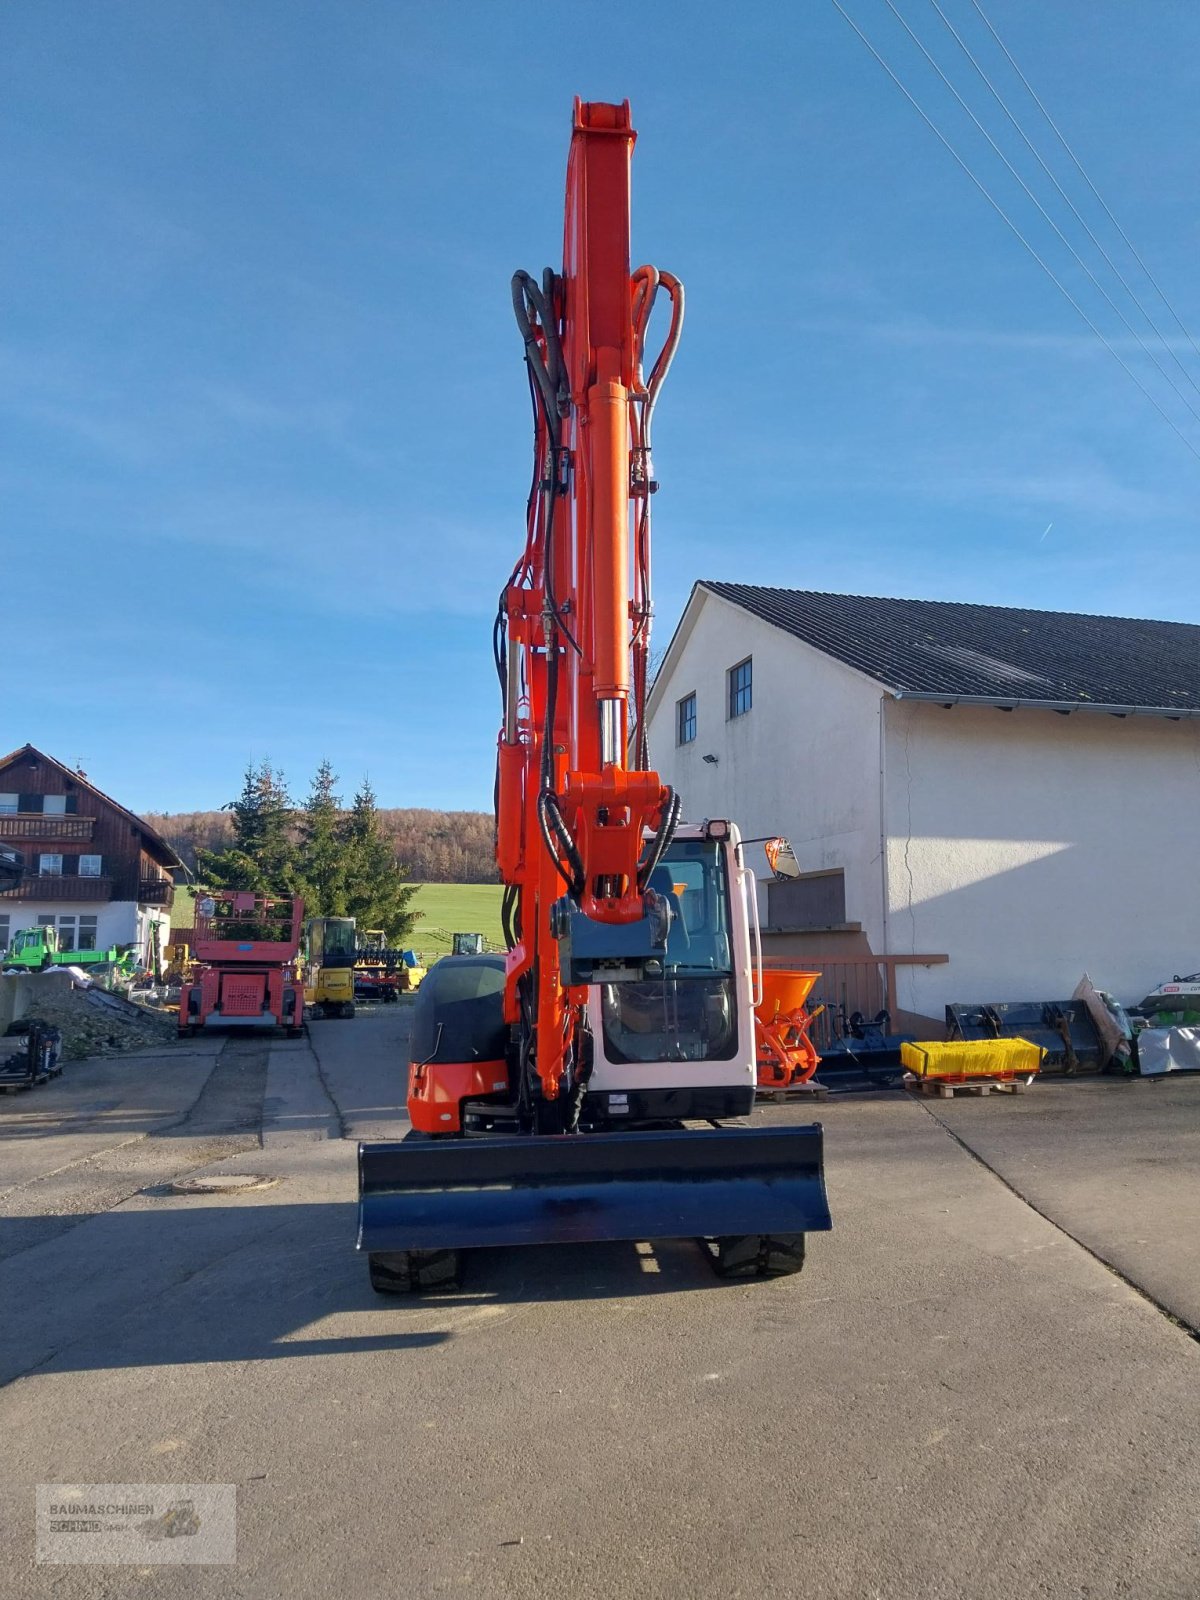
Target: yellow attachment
{"x":973,"y":1058}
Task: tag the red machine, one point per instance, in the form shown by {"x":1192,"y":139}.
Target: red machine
{"x":549,"y":1088}
{"x":246,"y":945}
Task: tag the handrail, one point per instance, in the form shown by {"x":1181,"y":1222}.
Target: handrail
{"x":750,"y":889}
{"x":36,"y":825}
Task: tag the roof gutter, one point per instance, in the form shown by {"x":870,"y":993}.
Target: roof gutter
{"x":1063,"y":707}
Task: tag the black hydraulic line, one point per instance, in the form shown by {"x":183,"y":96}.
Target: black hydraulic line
{"x":549,"y":374}
{"x":533,"y":306}
{"x":548,"y":840}
{"x":547,"y":798}
{"x":563,"y":833}
{"x":547,"y":772}
{"x":548,"y":370}
{"x":500,"y":626}
{"x":499,"y":652}
{"x":554,"y":827}
{"x":508,"y":906}
{"x":672,"y":807}
{"x":551,"y":598}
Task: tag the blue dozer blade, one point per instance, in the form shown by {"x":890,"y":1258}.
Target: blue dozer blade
{"x":457,"y":1194}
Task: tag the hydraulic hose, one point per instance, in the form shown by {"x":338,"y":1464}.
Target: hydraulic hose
{"x":548,"y":370}
{"x":669,"y":821}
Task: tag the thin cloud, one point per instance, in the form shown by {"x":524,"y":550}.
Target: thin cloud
{"x":921,"y":334}
{"x":401,"y":562}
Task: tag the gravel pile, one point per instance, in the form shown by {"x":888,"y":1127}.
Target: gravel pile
{"x":93,"y":1022}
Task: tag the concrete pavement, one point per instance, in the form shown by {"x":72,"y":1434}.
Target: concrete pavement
{"x":1114,"y":1161}
{"x":954,"y":1399}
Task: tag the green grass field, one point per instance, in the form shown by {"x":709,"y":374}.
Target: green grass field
{"x":446,"y":908}
{"x":443,"y":909}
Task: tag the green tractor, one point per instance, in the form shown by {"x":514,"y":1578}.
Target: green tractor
{"x":34,"y":949}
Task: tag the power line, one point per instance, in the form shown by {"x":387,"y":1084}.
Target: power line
{"x":1078,"y":215}
{"x":1000,"y":211}
{"x":1125,"y":322}
{"x":1061,"y":137}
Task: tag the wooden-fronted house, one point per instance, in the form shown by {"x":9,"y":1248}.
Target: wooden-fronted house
{"x":92,"y":870}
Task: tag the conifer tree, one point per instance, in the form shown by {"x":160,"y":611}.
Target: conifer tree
{"x":322,"y":851}
{"x":377,"y":891}
{"x":262,"y":855}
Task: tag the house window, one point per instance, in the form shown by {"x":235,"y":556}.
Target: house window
{"x":89,"y":866}
{"x":45,"y":922}
{"x":741,"y":683}
{"x":9,"y":804}
{"x":50,"y":866}
{"x":87,"y":933}
{"x":685,"y":719}
{"x":54,"y":805}
{"x":66,"y":933}
{"x":4,"y":932}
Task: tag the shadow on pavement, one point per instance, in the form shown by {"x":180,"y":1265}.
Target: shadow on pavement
{"x":188,"y":1283}
{"x":197,"y":1282}
{"x":228,"y":1099}
{"x":623,"y":1270}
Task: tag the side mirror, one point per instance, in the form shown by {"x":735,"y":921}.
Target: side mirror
{"x":781,"y":858}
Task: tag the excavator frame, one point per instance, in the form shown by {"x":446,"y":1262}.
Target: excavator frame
{"x":529,"y":1124}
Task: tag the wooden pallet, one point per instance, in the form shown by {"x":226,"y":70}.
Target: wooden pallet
{"x":812,"y":1090}
{"x":947,"y":1088}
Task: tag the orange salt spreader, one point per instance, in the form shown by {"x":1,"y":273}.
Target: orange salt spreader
{"x":787,"y":1056}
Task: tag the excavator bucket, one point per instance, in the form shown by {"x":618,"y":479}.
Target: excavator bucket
{"x":459,"y":1194}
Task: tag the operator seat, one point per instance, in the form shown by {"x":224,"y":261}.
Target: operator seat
{"x":662,"y":883}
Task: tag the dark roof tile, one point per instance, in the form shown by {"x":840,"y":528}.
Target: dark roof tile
{"x":943,"y":647}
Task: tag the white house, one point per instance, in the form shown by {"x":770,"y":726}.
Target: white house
{"x":93,"y":871}
{"x":1014,"y":792}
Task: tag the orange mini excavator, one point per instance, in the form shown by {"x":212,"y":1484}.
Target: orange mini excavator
{"x":581,"y":1086}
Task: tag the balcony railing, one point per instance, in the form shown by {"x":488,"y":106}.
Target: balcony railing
{"x":33,"y":825}
{"x":37,"y":886}
{"x":156,"y":892}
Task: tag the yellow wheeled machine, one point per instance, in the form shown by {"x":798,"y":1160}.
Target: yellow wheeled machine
{"x":329,"y":949}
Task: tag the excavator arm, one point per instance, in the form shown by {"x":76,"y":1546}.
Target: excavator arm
{"x":582,"y":820}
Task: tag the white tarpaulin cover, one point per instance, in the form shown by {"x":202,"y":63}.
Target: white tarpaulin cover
{"x":1168,"y":1050}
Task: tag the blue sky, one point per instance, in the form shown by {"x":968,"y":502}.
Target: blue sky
{"x":263,"y":425}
